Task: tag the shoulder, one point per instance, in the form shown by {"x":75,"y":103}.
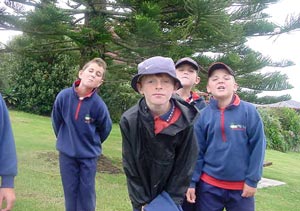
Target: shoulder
{"x":189,"y":111}
{"x":64,"y":92}
{"x":129,"y":118}
{"x":3,"y":107}
{"x":1,"y":100}
{"x":249,"y":106}
{"x":200,"y":103}
{"x":131,"y":113}
{"x":96,"y":97}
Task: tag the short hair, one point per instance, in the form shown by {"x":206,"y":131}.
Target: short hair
{"x":100,"y":62}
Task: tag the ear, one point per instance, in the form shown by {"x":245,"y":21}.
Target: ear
{"x":235,"y":88}
{"x":208,"y":89}
{"x":139,"y":88}
{"x":198,"y":79}
{"x":80,"y":74}
{"x":176,"y":86}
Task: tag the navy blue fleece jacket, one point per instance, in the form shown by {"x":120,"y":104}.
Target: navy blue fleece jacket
{"x":8,"y":157}
{"x":231,"y":142}
{"x":81,"y":125}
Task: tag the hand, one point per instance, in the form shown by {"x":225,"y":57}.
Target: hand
{"x":8,"y":195}
{"x":191,"y":195}
{"x":248,"y":191}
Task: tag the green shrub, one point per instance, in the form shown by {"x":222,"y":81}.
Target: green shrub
{"x":290,"y":122}
{"x":282,"y":128}
{"x":273,"y":131}
{"x":35,"y":84}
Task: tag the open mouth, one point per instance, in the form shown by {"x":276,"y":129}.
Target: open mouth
{"x":221,"y":88}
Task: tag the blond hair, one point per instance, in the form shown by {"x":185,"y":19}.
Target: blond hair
{"x":100,"y":62}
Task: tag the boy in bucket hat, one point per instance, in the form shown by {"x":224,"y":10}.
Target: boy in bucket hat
{"x":159,"y":147}
{"x":231,"y":140}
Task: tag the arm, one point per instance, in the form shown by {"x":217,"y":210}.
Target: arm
{"x":200,"y":136}
{"x":186,"y":155}
{"x":56,"y":117}
{"x":134,"y":183}
{"x":8,"y":158}
{"x":257,"y":144}
{"x":104,"y":125}
{"x":201,"y":140}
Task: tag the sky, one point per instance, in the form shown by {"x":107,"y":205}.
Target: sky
{"x":282,"y":47}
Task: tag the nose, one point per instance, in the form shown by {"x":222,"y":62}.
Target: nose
{"x":185,"y":71}
{"x":158,"y":84}
{"x":93,"y":74}
{"x":220,"y":81}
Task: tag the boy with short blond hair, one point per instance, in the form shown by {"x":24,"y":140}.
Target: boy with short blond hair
{"x":159,"y":147}
{"x":81,"y":123}
{"x":232,"y":143}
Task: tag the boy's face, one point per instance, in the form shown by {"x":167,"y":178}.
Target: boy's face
{"x":157,"y":89}
{"x":221,"y":85}
{"x":187,"y":75}
{"x":92,"y":76}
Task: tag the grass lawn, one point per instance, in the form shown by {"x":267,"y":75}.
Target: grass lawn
{"x":38,"y":185}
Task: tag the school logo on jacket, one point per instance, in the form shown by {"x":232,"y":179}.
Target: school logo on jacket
{"x":88,"y":119}
{"x":234,"y":126}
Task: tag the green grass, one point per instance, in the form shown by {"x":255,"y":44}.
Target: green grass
{"x":38,"y":185}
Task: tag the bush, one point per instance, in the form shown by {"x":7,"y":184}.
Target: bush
{"x":35,"y":84}
{"x":273,"y":131}
{"x":290,"y":122}
{"x":282,"y":128}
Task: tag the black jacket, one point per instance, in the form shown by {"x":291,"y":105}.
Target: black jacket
{"x":162,"y":162}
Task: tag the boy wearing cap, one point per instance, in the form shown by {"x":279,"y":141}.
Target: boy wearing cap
{"x":81,"y":123}
{"x":159,"y":147}
{"x":187,"y":71}
{"x":232,"y":144}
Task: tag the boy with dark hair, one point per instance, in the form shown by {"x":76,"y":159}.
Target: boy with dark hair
{"x":231,"y":139}
{"x":159,"y":147}
{"x":8,"y":159}
{"x":81,"y":123}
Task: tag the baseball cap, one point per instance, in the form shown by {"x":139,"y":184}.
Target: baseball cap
{"x":187,"y":60}
{"x":155,"y":65}
{"x":219,"y":65}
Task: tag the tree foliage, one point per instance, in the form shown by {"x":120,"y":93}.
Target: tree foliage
{"x":124,"y":32}
{"x":34,"y":81}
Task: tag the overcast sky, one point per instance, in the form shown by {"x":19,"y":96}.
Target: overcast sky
{"x":286,"y":46}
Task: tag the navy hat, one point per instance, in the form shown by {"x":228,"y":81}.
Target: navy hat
{"x":155,"y":65}
{"x":219,"y":65}
{"x":187,"y":60}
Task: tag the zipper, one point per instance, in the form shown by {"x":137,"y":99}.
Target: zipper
{"x":78,"y":109}
{"x":223,"y":125}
